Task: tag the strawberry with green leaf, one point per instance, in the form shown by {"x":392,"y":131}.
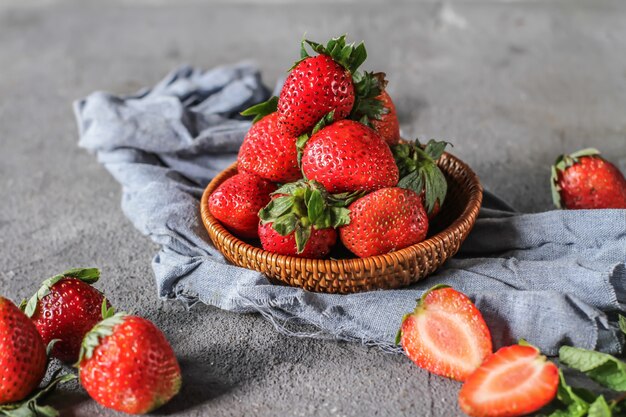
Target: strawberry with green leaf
{"x":65,"y":308}
{"x":127,"y":364}
{"x":322,"y":83}
{"x":301,"y":220}
{"x":585,"y":180}
{"x":387,"y":124}
{"x":419,"y":172}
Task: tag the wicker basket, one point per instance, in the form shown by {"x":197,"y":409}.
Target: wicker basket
{"x":393,"y":270}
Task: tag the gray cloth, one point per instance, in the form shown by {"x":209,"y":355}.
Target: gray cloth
{"x":552,"y":278}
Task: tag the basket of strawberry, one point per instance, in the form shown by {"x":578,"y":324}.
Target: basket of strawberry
{"x":326,"y":196}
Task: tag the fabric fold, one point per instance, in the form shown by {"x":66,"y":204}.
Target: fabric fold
{"x":551,"y":278}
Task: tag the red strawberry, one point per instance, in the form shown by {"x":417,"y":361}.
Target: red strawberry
{"x":319,"y":85}
{"x":269,"y":153}
{"x":383,"y":221}
{"x":348,"y":156}
{"x":387,"y":126}
{"x":65,"y":308}
{"x":127,"y":364}
{"x":515,"y":381}
{"x":237,"y":201}
{"x":301,"y":219}
{"x":22,"y":354}
{"x":419,"y":172}
{"x":585,"y":180}
{"x":446,"y":334}
{"x":318,"y":245}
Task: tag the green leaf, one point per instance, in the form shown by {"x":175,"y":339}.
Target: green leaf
{"x":554,"y":187}
{"x":571,"y":402}
{"x":285,"y":224}
{"x":106,"y":311}
{"x":603,"y":368}
{"x":435,"y":149}
{"x":87,"y":275}
{"x":339,"y":216}
{"x":367,"y":106}
{"x":399,"y":333}
{"x":261,"y":110}
{"x":600,"y":408}
{"x":315,"y":206}
{"x":584,"y":152}
{"x":51,"y":346}
{"x":622,"y":323}
{"x":302,"y":235}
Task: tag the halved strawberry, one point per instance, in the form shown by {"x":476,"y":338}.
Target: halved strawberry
{"x":446,"y":334}
{"x":514,"y":381}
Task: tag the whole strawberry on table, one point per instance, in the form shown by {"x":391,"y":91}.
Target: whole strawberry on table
{"x":322,"y":170}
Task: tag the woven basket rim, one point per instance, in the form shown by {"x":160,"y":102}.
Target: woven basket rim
{"x":456,"y":228}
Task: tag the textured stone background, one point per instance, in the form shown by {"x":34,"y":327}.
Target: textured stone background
{"x":512,"y":84}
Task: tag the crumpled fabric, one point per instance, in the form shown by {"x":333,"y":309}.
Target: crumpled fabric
{"x":552,"y":278}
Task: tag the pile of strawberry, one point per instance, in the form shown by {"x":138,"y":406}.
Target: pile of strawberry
{"x":447,"y":335}
{"x":323,"y":163}
{"x":124,"y":362}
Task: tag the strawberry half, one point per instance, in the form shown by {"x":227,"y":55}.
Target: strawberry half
{"x":585,"y":180}
{"x":446,"y":334}
{"x":301,"y":219}
{"x":127,"y":364}
{"x":515,"y":381}
{"x":419,"y":172}
{"x":65,"y":308}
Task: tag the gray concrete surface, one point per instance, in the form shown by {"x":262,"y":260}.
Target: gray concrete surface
{"x":512,"y":84}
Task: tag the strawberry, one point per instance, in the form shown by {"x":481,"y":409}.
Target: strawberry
{"x":446,"y":334}
{"x":585,"y":180}
{"x":237,"y":201}
{"x":387,"y":126}
{"x":127,"y":364}
{"x":318,"y":85}
{"x":268,"y":152}
{"x":515,"y":381}
{"x":348,"y":156}
{"x":301,"y":219}
{"x":318,"y":245}
{"x":65,"y":308}
{"x":22,"y":354}
{"x":383,"y":221}
{"x":419,"y":172}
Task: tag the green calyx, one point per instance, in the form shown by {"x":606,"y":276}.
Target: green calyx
{"x":261,"y":110}
{"x":303,"y":205}
{"x":367,"y":107}
{"x":30,"y":407}
{"x":101,"y":330}
{"x":419,"y":171}
{"x":561,"y":164}
{"x":345,"y":54}
{"x":87,"y":275}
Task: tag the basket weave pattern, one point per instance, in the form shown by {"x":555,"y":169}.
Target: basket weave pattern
{"x":392,"y":270}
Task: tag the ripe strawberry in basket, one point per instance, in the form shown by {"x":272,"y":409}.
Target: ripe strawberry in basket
{"x":419,"y":172}
{"x":383,"y":221}
{"x":387,"y":126}
{"x":237,"y":201}
{"x":266,"y":151}
{"x":127,"y":364}
{"x":301,"y":220}
{"x":446,"y":334}
{"x":585,"y":180}
{"x":348,"y":156}
{"x":325,"y":83}
{"x":65,"y":308}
